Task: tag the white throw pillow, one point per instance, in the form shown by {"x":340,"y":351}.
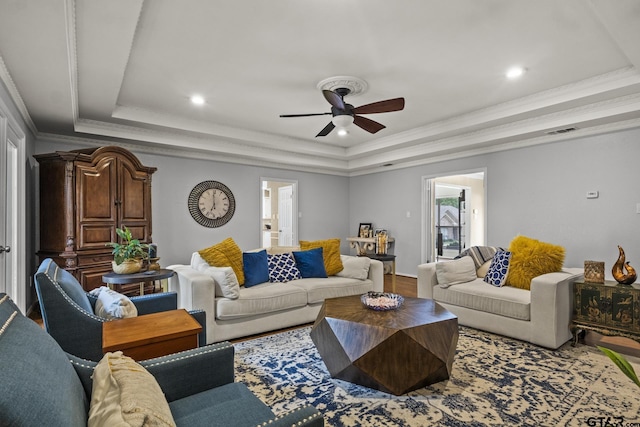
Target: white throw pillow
{"x":126,"y":394}
{"x":355,"y":267}
{"x":456,"y":271}
{"x":198,"y":263}
{"x":225,"y":280}
{"x":113,"y":305}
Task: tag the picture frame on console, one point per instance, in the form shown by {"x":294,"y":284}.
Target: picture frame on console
{"x":364,"y":230}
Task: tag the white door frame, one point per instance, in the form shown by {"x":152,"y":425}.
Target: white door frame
{"x":294,"y":207}
{"x":428,"y":187}
{"x":12,"y":214}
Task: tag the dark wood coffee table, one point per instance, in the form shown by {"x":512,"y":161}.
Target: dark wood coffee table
{"x":393,"y":351}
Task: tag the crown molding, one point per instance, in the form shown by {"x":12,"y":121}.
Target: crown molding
{"x":242,"y":136}
{"x":512,"y":145}
{"x":8,"y":82}
{"x":603,"y":83}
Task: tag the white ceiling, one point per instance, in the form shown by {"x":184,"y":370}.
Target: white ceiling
{"x":125,"y":69}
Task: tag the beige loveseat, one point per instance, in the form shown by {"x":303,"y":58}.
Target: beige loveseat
{"x":268,"y":306}
{"x":540,"y":315}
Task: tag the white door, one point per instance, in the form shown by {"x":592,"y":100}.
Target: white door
{"x":285,"y":216}
{"x":8,"y":214}
{"x":12,"y":221}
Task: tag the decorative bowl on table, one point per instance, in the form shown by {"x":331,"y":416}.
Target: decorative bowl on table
{"x":381,"y":301}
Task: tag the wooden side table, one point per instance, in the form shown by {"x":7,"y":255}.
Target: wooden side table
{"x":385,"y":258}
{"x":114,"y":280}
{"x":151,"y":335}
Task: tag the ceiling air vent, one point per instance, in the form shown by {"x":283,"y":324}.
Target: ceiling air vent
{"x":559,"y":131}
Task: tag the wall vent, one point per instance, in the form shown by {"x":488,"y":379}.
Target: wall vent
{"x":559,"y":131}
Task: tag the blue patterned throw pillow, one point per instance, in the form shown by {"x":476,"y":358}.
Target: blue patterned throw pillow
{"x":498,"y":269}
{"x":282,"y":268}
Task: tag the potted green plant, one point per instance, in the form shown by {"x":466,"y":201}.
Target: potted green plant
{"x":128,"y":255}
{"x":621,"y":363}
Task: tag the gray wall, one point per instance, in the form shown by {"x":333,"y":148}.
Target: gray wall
{"x":323,"y":201}
{"x":539,"y":192}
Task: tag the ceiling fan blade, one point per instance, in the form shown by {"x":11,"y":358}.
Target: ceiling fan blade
{"x":303,"y":115}
{"x":367,"y":124}
{"x":328,"y":128}
{"x":387,"y":106}
{"x":334,"y":99}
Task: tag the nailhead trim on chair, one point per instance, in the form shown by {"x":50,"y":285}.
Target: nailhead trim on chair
{"x":54,"y":280}
{"x":176,"y":359}
{"x":6,"y":324}
{"x":172,"y":360}
{"x":299,"y":423}
{"x":4,"y":298}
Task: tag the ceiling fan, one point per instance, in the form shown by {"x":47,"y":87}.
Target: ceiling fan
{"x":344,"y":114}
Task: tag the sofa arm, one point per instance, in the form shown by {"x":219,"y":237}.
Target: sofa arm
{"x":305,"y":416}
{"x":196,"y":290}
{"x":552,"y":306}
{"x":427,"y":279}
{"x":376,"y":275}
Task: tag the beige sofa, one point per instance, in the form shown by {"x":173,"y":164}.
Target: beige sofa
{"x":268,"y":306}
{"x":540,"y":315}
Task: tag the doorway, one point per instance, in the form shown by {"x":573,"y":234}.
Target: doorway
{"x":454,"y":214}
{"x":12,"y":218}
{"x":279,"y":212}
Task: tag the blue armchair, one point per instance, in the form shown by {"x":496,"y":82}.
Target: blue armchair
{"x":68,"y":311}
{"x":43,"y":385}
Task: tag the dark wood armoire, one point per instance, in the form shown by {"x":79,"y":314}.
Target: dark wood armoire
{"x":84,"y":196}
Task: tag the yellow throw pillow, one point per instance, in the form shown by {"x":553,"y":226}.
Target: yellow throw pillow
{"x":225,"y":254}
{"x":330,"y":253}
{"x":531,"y":258}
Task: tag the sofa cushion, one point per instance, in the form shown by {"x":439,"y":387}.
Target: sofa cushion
{"x":478,"y":295}
{"x":225,"y":254}
{"x":532,"y":258}
{"x":256,"y":268}
{"x":124,"y":393}
{"x":38,"y":380}
{"x":355,"y":267}
{"x":456,"y":271}
{"x":330,"y":253}
{"x":225,"y":281}
{"x":231,"y":404}
{"x":310,"y":263}
{"x":260,"y":299}
{"x":317,"y":290}
{"x":49,"y":271}
{"x":282,"y":268}
{"x":499,"y":268}
{"x":113,"y":305}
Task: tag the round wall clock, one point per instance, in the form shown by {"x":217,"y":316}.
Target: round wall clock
{"x":211,"y":204}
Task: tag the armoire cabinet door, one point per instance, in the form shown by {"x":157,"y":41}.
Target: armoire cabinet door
{"x":134,"y":202}
{"x":96,"y":188}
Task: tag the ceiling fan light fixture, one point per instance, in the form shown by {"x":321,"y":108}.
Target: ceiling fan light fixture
{"x":342,"y":121}
{"x":343,"y":132}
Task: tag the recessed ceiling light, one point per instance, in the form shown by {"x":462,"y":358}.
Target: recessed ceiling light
{"x":515,"y":72}
{"x":197,"y":100}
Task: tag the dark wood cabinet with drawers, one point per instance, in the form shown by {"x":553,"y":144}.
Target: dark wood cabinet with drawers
{"x":84,"y":196}
{"x":608,"y":308}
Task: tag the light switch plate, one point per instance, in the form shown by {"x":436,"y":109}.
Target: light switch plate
{"x":592,"y":194}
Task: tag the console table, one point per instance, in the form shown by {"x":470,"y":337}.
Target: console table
{"x":608,"y":308}
{"x":117,"y":280}
{"x":366,"y":246}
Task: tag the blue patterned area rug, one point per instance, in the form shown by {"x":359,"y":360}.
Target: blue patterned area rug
{"x":495,"y":381}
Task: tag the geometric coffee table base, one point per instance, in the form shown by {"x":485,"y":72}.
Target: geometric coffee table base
{"x":393,"y":351}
